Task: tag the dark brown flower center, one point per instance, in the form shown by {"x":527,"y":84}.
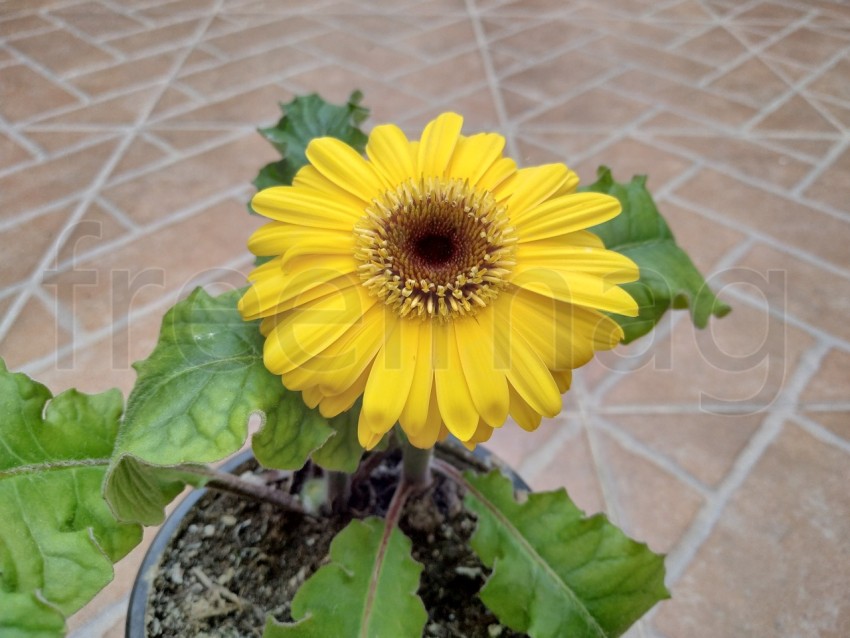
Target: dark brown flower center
{"x":435,"y":248}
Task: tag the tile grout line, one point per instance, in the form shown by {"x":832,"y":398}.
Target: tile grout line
{"x":175,"y":156}
{"x":95,"y":186}
{"x":822,"y":434}
{"x":709,"y":516}
{"x":824,"y":165}
{"x":533,"y":463}
{"x":139,"y":232}
{"x":38,"y":68}
{"x":492,"y":78}
{"x":795,"y":87}
{"x":91,"y":337}
{"x":60,"y":23}
{"x":759,"y":236}
{"x":784,"y":316}
{"x":751,"y":52}
{"x":755,"y":182}
{"x":600,"y":467}
{"x":661,"y":461}
{"x":661,"y":331}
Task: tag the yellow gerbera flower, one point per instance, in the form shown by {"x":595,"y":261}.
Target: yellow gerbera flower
{"x":436,"y":279}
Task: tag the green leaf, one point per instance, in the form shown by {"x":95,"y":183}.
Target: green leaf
{"x":290,"y":433}
{"x":555,"y":572}
{"x":668,"y":277}
{"x":190,"y":404}
{"x":26,"y":616}
{"x":368,"y":589}
{"x":275,"y":174}
{"x":304,"y":119}
{"x":293,"y":432}
{"x":58,"y":538}
{"x":342,"y":452}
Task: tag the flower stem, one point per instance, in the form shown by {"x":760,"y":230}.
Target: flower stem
{"x":416,"y":465}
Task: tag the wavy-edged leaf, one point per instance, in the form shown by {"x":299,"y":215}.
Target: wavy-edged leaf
{"x":305,"y":118}
{"x":292,"y":433}
{"x":668,"y":277}
{"x":191,"y":405}
{"x":27,"y":616}
{"x":556,"y":572}
{"x":367,"y":590}
{"x":58,"y":538}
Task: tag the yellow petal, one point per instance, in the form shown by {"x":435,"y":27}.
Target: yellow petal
{"x":529,"y":187}
{"x":456,"y":407}
{"x":323,"y":289}
{"x":438,"y":143}
{"x":611,"y":266}
{"x":388,"y":386}
{"x":332,"y":406}
{"x":272,"y":268}
{"x":563,"y":335}
{"x":367,"y":438}
{"x":303,"y":207}
{"x":414,"y":415}
{"x":268,"y":324}
{"x":276,"y":238}
{"x":482,"y":434}
{"x":342,"y":165}
{"x":474,"y":155}
{"x":525,"y":371}
{"x":322,"y":245}
{"x":309,"y":178}
{"x":576,"y":239}
{"x":273,"y":293}
{"x":341,"y":364}
{"x":389,"y":151}
{"x":311,"y":397}
{"x":563,"y":378}
{"x":569,"y":186}
{"x":577,"y":288}
{"x":566,"y":214}
{"x":487,"y":386}
{"x":306,"y":331}
{"x":501,"y":170}
{"x":262,"y":298}
{"x":525,"y":416}
{"x":305,"y":268}
{"x":426,"y":436}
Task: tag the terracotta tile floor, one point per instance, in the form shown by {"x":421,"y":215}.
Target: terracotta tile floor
{"x":127,"y":144}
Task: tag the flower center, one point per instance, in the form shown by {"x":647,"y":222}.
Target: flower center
{"x":435,"y":248}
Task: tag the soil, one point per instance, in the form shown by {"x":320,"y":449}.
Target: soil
{"x":234,"y":561}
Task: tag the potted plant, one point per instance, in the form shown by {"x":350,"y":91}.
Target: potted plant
{"x":425,"y":289}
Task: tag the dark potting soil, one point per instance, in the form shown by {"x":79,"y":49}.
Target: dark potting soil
{"x":234,"y":561}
